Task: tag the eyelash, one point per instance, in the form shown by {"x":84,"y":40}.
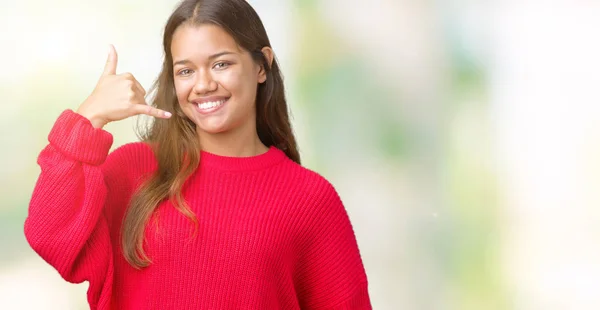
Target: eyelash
{"x":223,"y":66}
{"x":182,"y":72}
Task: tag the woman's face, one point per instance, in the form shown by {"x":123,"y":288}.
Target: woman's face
{"x":215,"y":80}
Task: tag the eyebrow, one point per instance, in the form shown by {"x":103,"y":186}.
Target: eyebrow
{"x":211,"y":57}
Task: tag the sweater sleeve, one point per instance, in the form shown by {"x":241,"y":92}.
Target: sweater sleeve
{"x":66,"y":224}
{"x":330,"y":272}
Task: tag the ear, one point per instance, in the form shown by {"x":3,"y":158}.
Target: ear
{"x":262,"y":74}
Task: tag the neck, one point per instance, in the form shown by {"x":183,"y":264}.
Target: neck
{"x":240,"y":142}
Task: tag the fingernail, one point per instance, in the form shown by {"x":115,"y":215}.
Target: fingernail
{"x":167,"y":114}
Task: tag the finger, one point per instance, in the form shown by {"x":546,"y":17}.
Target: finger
{"x":151,"y":111}
{"x":139,"y":88}
{"x":136,"y":84}
{"x":110,"y":68}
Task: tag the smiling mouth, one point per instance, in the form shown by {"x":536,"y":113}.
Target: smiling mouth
{"x":210,"y":107}
{"x":205,"y":106}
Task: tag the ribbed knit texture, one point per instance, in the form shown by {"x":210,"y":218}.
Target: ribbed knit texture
{"x":271,"y":234}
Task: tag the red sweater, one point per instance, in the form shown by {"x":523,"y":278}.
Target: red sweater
{"x":271,"y":234}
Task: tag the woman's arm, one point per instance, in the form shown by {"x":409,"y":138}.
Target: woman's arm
{"x":66,"y":225}
{"x":330,"y":272}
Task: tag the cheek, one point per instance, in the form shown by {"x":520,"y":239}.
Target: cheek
{"x":182,"y":89}
{"x":229,"y":80}
{"x":239,"y":84}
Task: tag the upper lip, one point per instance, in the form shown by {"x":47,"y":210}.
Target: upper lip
{"x":209,"y":99}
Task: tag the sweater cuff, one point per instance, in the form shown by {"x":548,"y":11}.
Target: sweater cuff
{"x":75,"y":137}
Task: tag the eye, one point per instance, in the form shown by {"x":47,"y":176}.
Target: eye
{"x":221,"y":65}
{"x":184,"y":72}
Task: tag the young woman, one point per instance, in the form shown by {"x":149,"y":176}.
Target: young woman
{"x":211,"y":210}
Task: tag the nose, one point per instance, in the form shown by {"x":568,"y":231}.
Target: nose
{"x":204,"y":83}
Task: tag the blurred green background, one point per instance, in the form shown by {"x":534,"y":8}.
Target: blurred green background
{"x":462,"y":136}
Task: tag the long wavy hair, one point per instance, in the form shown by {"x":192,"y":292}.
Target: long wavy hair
{"x":175,"y":142}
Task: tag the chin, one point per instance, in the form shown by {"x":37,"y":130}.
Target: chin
{"x":212,"y":129}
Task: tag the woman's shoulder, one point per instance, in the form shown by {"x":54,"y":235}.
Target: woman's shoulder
{"x":310,"y":182}
{"x":312,"y":195}
{"x":137,"y":148}
{"x":133,"y":151}
{"x":130,"y":158}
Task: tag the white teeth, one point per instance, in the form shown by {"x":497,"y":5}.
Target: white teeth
{"x":210,"y":105}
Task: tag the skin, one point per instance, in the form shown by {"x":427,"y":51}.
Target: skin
{"x":116,"y":97}
{"x":208,"y":65}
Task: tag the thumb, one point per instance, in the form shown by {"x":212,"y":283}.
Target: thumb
{"x":111,"y":63}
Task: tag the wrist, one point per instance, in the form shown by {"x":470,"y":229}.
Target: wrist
{"x":96,"y":121}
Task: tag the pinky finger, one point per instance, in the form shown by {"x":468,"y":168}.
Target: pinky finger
{"x":151,"y":111}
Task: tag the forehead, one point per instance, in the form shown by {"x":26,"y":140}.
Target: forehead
{"x":191,"y":41}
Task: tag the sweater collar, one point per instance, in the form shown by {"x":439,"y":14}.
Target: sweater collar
{"x":270,"y":158}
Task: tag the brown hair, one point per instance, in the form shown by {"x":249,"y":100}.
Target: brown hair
{"x":179,"y":153}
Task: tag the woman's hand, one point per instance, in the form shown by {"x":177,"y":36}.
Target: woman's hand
{"x":116,"y":97}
